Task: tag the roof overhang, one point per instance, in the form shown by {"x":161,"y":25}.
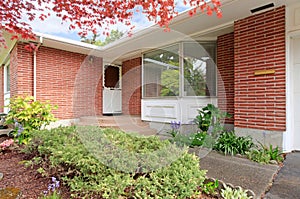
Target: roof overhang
{"x":4,"y":52}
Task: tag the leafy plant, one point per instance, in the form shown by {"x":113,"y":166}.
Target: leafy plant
{"x":229,"y":143}
{"x":209,"y":119}
{"x":27,"y":115}
{"x":199,"y":138}
{"x":113,"y":164}
{"x":230,"y":193}
{"x":210,"y":187}
{"x":183,"y":139}
{"x":265,"y":154}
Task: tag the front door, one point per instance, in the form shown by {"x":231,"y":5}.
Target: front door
{"x":296,"y":85}
{"x":112,"y":93}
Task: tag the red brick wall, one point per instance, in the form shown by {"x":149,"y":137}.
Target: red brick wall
{"x":69,"y":80}
{"x":2,"y":89}
{"x":131,"y":86}
{"x":260,"y":45}
{"x":21,"y":71}
{"x":225,"y":63}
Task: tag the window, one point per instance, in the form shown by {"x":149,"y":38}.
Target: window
{"x":199,"y":69}
{"x":162,"y":69}
{"x":7,"y":78}
{"x":161,"y":72}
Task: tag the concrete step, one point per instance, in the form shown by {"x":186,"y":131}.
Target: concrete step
{"x":126,"y":123}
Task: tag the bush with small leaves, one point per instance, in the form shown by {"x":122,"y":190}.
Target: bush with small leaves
{"x":230,"y":193}
{"x":27,"y":114}
{"x":112,"y":164}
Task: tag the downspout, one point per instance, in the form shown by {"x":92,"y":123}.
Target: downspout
{"x":34,"y":67}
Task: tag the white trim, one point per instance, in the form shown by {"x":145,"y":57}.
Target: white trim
{"x":288,"y":136}
{"x":291,"y":31}
{"x":68,"y":41}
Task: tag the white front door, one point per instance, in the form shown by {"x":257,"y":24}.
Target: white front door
{"x":112,"y":93}
{"x":296,"y":91}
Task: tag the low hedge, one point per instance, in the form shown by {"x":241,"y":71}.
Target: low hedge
{"x":112,"y":164}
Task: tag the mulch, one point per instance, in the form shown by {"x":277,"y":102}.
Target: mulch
{"x":16,"y":175}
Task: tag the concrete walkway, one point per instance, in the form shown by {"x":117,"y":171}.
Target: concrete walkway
{"x":254,"y":176}
{"x":287,"y":183}
{"x":239,"y":172}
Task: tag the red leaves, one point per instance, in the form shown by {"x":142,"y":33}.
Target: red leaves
{"x":88,"y":15}
{"x":31,"y":47}
{"x":14,"y":37}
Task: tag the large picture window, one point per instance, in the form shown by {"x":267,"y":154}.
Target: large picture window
{"x":199,"y":69}
{"x":161,"y":72}
{"x":162,"y":69}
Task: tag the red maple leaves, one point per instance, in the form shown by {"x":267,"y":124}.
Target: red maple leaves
{"x":89,"y":15}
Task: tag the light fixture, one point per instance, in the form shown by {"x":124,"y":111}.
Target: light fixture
{"x":264,"y":7}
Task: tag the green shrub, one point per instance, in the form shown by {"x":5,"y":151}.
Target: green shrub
{"x":27,"y":115}
{"x":113,"y":164}
{"x":229,"y":143}
{"x":211,"y":116}
{"x":182,"y":139}
{"x":229,"y":193}
{"x":199,"y":138}
{"x":264,"y":154}
{"x":210,"y":187}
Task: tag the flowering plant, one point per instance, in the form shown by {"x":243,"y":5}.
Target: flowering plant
{"x":175,"y":126}
{"x":51,"y":192}
{"x":7,"y":143}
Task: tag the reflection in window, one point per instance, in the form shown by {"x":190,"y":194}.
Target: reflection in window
{"x":199,"y":69}
{"x":161,"y":72}
{"x":162,"y":69}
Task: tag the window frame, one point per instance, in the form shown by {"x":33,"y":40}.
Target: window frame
{"x":181,"y":70}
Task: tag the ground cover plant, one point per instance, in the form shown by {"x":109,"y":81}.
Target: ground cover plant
{"x":229,"y":143}
{"x":264,"y":154}
{"x":230,"y":193}
{"x":137,"y":172}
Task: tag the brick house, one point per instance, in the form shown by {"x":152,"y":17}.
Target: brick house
{"x":246,"y":63}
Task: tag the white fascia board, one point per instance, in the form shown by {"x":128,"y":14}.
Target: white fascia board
{"x":68,"y":41}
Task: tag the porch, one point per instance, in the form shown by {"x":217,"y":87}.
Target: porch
{"x":127,"y":123}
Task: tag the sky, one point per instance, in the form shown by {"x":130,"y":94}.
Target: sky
{"x":54,"y":25}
